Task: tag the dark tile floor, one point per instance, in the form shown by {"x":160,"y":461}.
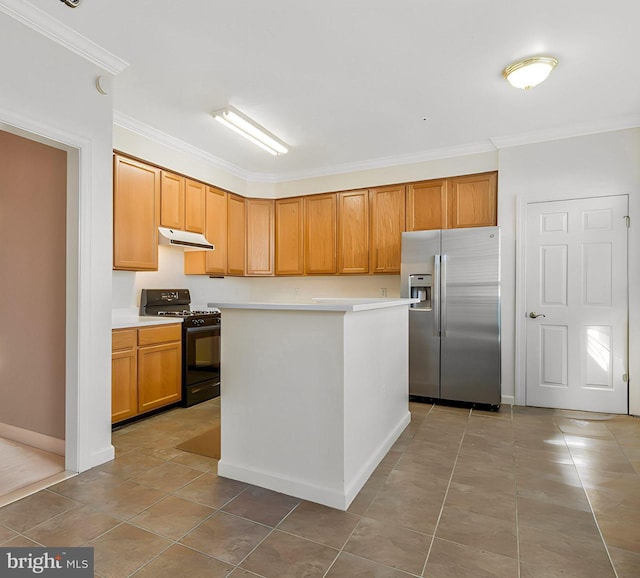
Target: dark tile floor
{"x":524,"y":492}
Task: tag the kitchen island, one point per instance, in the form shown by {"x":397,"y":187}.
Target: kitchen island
{"x":313,"y":394}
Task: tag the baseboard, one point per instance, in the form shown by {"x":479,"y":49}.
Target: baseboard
{"x":360,"y":479}
{"x":278,"y":483}
{"x":32,"y":438}
{"x":508,"y":400}
{"x":100,"y":457}
{"x":332,"y":497}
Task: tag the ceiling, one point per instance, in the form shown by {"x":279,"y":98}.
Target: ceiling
{"x":352,"y":84}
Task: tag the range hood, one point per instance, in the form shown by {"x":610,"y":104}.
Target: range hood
{"x":183,"y":239}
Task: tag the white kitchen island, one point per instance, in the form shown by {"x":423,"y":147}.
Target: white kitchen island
{"x":313,"y":394}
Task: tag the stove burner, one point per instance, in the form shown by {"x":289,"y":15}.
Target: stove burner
{"x":183,"y":313}
{"x":186,"y":313}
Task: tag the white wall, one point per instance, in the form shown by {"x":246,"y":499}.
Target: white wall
{"x":49,"y":91}
{"x":587,"y":166}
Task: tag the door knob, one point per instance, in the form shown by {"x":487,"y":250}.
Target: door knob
{"x":535,"y":315}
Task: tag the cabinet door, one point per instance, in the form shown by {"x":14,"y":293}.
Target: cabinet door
{"x":260,"y":232}
{"x":427,"y":205}
{"x":353,"y":232}
{"x":387,"y":224}
{"x":289,"y":236}
{"x":473,"y":201}
{"x":124,"y":385}
{"x":136,"y":214}
{"x":235,"y":235}
{"x":194,"y":200}
{"x":320,"y":234}
{"x":159,"y":375}
{"x":216,"y":231}
{"x":172,"y":201}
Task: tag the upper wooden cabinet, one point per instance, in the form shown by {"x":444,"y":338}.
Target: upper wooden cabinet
{"x":320,"y":234}
{"x":136,"y":215}
{"x":216,"y":231}
{"x":260,"y":234}
{"x":289,"y":237}
{"x":387,"y":211}
{"x":182,"y":203}
{"x":353,"y":232}
{"x":236,"y":240}
{"x":472,"y":201}
{"x":427,"y":205}
{"x":172,"y":201}
{"x":468,"y":201}
{"x":194,"y":206}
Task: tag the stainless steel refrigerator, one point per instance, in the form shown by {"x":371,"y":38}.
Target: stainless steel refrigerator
{"x":454,"y":331}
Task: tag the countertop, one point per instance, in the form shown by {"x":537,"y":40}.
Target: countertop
{"x":124,"y":318}
{"x":318,"y":304}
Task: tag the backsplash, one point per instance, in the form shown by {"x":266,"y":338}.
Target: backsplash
{"x":127,"y":285}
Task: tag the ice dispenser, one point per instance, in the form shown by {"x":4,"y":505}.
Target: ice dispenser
{"x":420,"y":288}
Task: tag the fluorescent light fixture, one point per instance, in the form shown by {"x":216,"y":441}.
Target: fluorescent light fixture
{"x":239,"y":123}
{"x":529,"y":72}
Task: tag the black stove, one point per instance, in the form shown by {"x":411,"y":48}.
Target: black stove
{"x":200,"y":341}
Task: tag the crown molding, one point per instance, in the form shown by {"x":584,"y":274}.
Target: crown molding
{"x":391,"y":161}
{"x":129,"y":123}
{"x":568,"y":131}
{"x":162,"y":138}
{"x":45,"y":24}
{"x":491,"y":145}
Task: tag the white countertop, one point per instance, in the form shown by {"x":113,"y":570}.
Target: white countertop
{"x":125,"y":318}
{"x":319,"y":304}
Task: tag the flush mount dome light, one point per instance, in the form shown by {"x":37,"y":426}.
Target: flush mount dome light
{"x":529,"y":72}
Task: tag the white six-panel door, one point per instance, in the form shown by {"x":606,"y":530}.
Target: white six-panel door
{"x":576,"y":282}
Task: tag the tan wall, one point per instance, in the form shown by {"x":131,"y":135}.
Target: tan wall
{"x":33,"y":183}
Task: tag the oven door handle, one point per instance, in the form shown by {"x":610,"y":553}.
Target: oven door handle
{"x":210,"y":328}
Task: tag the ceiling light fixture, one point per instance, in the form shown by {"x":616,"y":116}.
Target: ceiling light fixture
{"x":529,"y":72}
{"x":239,"y":123}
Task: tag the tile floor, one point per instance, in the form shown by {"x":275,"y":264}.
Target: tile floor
{"x":524,"y":492}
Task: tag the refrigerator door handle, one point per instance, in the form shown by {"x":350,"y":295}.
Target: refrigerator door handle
{"x":435,"y":295}
{"x":443,"y":296}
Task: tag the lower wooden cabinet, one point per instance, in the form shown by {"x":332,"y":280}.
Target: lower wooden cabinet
{"x":146,"y":370}
{"x":124,"y":374}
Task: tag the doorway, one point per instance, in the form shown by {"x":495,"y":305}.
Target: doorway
{"x":33,"y":232}
{"x":576,"y":325}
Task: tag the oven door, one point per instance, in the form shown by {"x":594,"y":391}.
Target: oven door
{"x":201,"y":362}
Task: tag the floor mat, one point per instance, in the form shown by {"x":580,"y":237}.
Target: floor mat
{"x":205,"y":444}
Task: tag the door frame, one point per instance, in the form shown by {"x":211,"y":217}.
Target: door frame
{"x":520,"y":296}
{"x":78,"y":346}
